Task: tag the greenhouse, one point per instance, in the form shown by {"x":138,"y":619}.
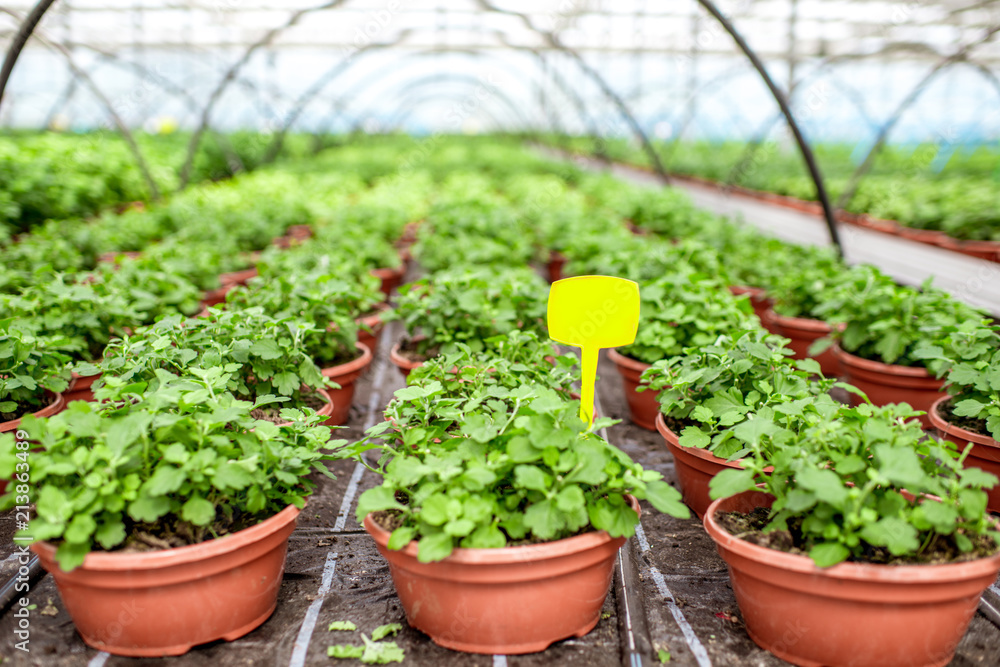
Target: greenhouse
{"x":500,"y":333}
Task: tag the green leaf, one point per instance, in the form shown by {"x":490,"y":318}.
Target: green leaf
{"x":617,"y":518}
{"x":969,"y":408}
{"x":80,"y":529}
{"x":381,"y":653}
{"x":198,"y":511}
{"x":110,"y":534}
{"x":826,"y":554}
{"x":893,"y":533}
{"x":729,"y":482}
{"x":231,"y":476}
{"x":383,"y":631}
{"x":692,"y":436}
{"x":345,"y":651}
{"x":344,"y":626}
{"x":435,"y":547}
{"x":166,"y":479}
{"x":148,"y":509}
{"x":825,"y":484}
{"x":530,"y":477}
{"x":401,"y":537}
{"x":666,"y":499}
{"x":377,"y":499}
{"x":266,"y":349}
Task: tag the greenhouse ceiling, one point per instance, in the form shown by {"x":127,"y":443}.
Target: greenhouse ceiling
{"x":555,"y":64}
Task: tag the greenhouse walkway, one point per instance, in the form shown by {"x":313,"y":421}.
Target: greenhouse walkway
{"x":975,"y":281}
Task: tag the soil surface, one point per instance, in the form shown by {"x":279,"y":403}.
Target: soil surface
{"x":946,"y":411}
{"x":942,"y":549}
{"x":681,"y":586}
{"x":407,"y":352}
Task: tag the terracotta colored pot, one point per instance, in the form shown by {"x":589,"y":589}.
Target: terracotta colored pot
{"x":506,"y":601}
{"x":238,"y":277}
{"x":758,"y":298}
{"x":989,"y":250}
{"x":803,"y":332}
{"x":374,"y":322}
{"x":928,"y":236}
{"x":985,"y":453}
{"x":115,"y":256}
{"x":888,"y":383}
{"x":854,"y":614}
{"x":877,"y":224}
{"x":555,"y":266}
{"x":300,"y":232}
{"x":166,"y":602}
{"x":324,"y":411}
{"x":81,"y":388}
{"x":391,"y":278}
{"x":694,"y":467}
{"x":402,"y":363}
{"x":642,"y":406}
{"x":345,"y":375}
{"x":56,"y":404}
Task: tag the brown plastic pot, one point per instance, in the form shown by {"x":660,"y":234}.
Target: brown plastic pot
{"x":505,"y":601}
{"x":642,"y":406}
{"x":402,"y":363}
{"x":374,"y":322}
{"x":989,"y":250}
{"x":758,"y":298}
{"x":324,"y":411}
{"x":56,"y":404}
{"x":801,"y":333}
{"x":81,"y":388}
{"x":851,"y":614}
{"x":391,"y":278}
{"x":985,"y":452}
{"x":694,"y":467}
{"x":555,"y":265}
{"x":166,"y":602}
{"x":345,"y":375}
{"x":889,"y":383}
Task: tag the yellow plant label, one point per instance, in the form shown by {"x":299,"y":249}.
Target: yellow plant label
{"x":592,"y":312}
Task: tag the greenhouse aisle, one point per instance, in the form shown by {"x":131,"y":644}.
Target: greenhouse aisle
{"x":968,"y":279}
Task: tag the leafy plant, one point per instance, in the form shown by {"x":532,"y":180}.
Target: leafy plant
{"x":478,"y":464}
{"x":685,"y":308}
{"x":260,"y":354}
{"x":888,"y":323}
{"x":869,"y":486}
{"x":969,"y":358}
{"x":731,"y":396}
{"x":314,"y":298}
{"x":469,"y":306}
{"x":804,"y":288}
{"x":29,"y":368}
{"x":185,"y":463}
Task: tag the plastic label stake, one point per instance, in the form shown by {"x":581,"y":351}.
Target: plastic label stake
{"x":593,"y":312}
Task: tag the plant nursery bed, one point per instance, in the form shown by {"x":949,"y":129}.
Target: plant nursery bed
{"x":681,"y":602}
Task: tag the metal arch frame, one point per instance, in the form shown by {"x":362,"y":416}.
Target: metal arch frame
{"x":415,"y":99}
{"x":553,"y":40}
{"x":852,"y":184}
{"x":416,"y":85}
{"x":583,"y":115}
{"x":570,"y":93}
{"x":782,"y":100}
{"x":855,"y":97}
{"x":168,"y":86}
{"x":154,"y":190}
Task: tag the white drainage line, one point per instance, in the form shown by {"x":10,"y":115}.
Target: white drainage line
{"x":697,"y":648}
{"x":99,"y":659}
{"x":700,"y":654}
{"x":312,"y":614}
{"x":359,"y":469}
{"x":499,"y":661}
